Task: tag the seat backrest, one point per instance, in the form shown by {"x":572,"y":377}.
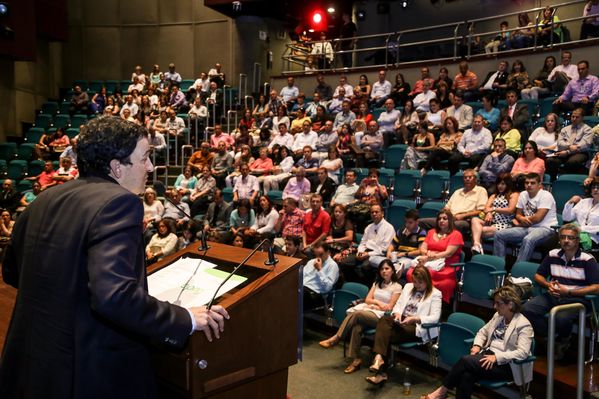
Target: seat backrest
{"x":453,"y":334}
{"x":563,"y":189}
{"x":434,"y":183}
{"x":477,"y":280}
{"x":342,"y":300}
{"x":394,"y":155}
{"x":527,"y":269}
{"x":492,"y":260}
{"x":405,"y":182}
{"x":359,"y":289}
{"x":430,"y":209}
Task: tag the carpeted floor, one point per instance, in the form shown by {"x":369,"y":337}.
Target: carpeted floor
{"x":320,"y":375}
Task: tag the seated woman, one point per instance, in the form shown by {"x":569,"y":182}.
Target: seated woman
{"x":546,"y":136}
{"x":266,"y":220}
{"x":585,"y":212}
{"x":185,"y":183}
{"x":540,"y":85}
{"x":241,"y":218}
{"x":42,"y":147}
{"x":489,"y":112}
{"x":371,"y":191}
{"x":6,"y":225}
{"x":333,"y":165}
{"x":59,"y":142}
{"x":507,"y":337}
{"x":449,"y":139}
{"x":381,"y":298}
{"x":283,"y":162}
{"x":163,"y":243}
{"x":550,"y":29}
{"x":341,"y":233}
{"x":407,"y":123}
{"x":422,"y":143}
{"x":511,"y":136}
{"x":498,"y":214}
{"x":435,"y":117}
{"x":244,"y":156}
{"x":593,"y":170}
{"x":441,"y":248}
{"x":518,"y":78}
{"x":361,"y":92}
{"x":529,"y":162}
{"x":418,"y":304}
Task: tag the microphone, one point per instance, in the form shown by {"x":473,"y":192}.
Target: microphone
{"x":274,"y":260}
{"x":161,"y":191}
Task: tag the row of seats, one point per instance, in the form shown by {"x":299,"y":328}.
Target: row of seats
{"x":113,"y":85}
{"x":62,"y":120}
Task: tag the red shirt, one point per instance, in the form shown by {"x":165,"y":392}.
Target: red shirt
{"x":314,"y":227}
{"x":46,"y":178}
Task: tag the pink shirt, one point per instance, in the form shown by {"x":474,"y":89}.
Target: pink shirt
{"x":262,"y":164}
{"x":537,"y":165}
{"x":228,"y":139}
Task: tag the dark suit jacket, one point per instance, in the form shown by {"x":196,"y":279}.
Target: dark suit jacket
{"x":326,"y":191}
{"x":83,"y":312}
{"x":500,"y":79}
{"x":520,"y":117}
{"x":223,"y":217}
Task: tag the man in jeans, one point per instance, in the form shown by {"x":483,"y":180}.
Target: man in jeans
{"x":573,"y":274}
{"x":535,"y":214}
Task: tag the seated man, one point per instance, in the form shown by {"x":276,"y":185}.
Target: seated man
{"x":421,"y":101}
{"x":79,"y":102}
{"x":157,"y":144}
{"x":494,"y":164}
{"x":465,"y":203}
{"x":246,"y":186}
{"x":327,"y":137}
{"x":518,"y":112}
{"x":172,"y":77}
{"x":345,"y":116}
{"x":336,"y":104}
{"x":316,"y":225}
{"x":217,"y":218}
{"x":324,"y":90}
{"x":406,"y":243}
{"x":371,"y":144}
{"x":46,"y":177}
{"x":297,"y":186}
{"x":466,"y":81}
{"x":320,"y":276}
{"x":306,"y":138}
{"x":9,"y":197}
{"x":496,"y":81}
{"x":135,"y":85}
{"x":66,"y":172}
{"x":381,"y":90}
{"x":345,"y":193}
{"x":573,"y":143}
{"x":174,"y":124}
{"x":462,"y":112}
{"x":216,"y":74}
{"x":201,"y":158}
{"x":362,"y":266}
{"x":387,"y":120}
{"x":222,"y":163}
{"x":473,"y":146}
{"x":131,"y":106}
{"x":348,"y":90}
{"x":203,"y":192}
{"x":178,"y":214}
{"x":425,"y":76}
{"x":290,"y":92}
{"x":283,"y":139}
{"x":535,"y":214}
{"x":568,"y":274}
{"x":219,"y":136}
{"x":308,"y":162}
{"x":563,"y":73}
{"x":579,"y":93}
{"x":291,"y":221}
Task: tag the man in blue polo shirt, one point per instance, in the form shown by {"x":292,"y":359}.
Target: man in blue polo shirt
{"x":568,"y":274}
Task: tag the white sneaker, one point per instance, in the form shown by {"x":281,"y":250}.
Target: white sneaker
{"x":478,"y":248}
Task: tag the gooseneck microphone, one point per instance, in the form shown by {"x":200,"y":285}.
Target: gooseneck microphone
{"x":161,"y":191}
{"x":267,"y":262}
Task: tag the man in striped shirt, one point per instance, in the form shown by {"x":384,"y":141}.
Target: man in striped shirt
{"x":568,"y":274}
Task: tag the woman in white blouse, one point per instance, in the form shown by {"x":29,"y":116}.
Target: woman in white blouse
{"x":585,"y":212}
{"x":380,"y":299}
{"x":546,"y":136}
{"x":163,"y":243}
{"x":266,"y":220}
{"x":419,"y":303}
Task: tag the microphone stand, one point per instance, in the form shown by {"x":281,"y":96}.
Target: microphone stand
{"x":241,"y":264}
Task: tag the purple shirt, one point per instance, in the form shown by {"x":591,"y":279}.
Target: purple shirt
{"x":177,"y":99}
{"x":582,"y":87}
{"x":295,"y":189}
{"x":246,"y":186}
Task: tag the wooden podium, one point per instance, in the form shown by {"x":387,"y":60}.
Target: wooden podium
{"x":260,"y":341}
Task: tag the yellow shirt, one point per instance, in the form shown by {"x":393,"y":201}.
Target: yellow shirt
{"x":460,"y":201}
{"x":512,"y":139}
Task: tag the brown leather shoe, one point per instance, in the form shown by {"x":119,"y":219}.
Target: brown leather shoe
{"x":329,"y":343}
{"x":377,"y":379}
{"x":353,"y":366}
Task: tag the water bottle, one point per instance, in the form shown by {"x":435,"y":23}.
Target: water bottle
{"x":407,"y":385}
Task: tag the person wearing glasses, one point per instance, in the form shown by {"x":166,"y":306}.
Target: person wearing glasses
{"x":567,"y":274}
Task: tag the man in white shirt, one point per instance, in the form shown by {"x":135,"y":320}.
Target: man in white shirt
{"x":377,"y":237}
{"x":174,"y":124}
{"x":324,"y":50}
{"x":562,"y":74}
{"x":349,"y":91}
{"x":319,"y":276}
{"x":283,"y":139}
{"x":421,"y":101}
{"x":462,"y":112}
{"x":473,"y":146}
{"x":380,"y":90}
{"x":135,"y":85}
{"x":130,"y":105}
{"x":535,"y":214}
{"x":217,"y":75}
{"x":345,"y":193}
{"x":306,"y":137}
{"x":290,"y":92}
{"x":201,"y":85}
{"x":172,"y":77}
{"x":387,"y":122}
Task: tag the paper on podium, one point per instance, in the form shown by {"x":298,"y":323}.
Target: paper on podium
{"x":167,"y":283}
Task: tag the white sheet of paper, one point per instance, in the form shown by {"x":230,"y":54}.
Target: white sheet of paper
{"x":166,"y":284}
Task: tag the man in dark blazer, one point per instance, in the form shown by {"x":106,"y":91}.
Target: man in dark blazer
{"x":216,"y":219}
{"x":496,"y":81}
{"x":518,"y":112}
{"x":83,"y":316}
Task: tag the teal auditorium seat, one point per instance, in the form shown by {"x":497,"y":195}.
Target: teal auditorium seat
{"x":26,"y":151}
{"x":50,"y":107}
{"x":405,"y":183}
{"x":435,"y":185}
{"x":8,"y":151}
{"x":43,"y":121}
{"x":17,"y":169}
{"x":394,"y":155}
{"x":34,"y":135}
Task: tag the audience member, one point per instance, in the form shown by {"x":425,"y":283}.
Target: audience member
{"x":345,"y":193}
{"x":79,"y":102}
{"x":203,"y":192}
{"x":406,"y":243}
{"x":419,"y":150}
{"x":217,"y":218}
{"x":177,"y":212}
{"x":201,"y":158}
{"x":401,"y":89}
{"x":473,"y":146}
{"x":496,"y":81}
{"x":324,"y":90}
{"x":298,"y":185}
{"x":563,"y":73}
{"x":518,"y":78}
{"x":185,"y":183}
{"x":460,"y":111}
{"x":445,"y":146}
{"x":341,"y":232}
{"x":163,"y":243}
{"x":425,"y":76}
{"x":466,"y":82}
{"x":489,"y":112}
{"x":546,"y":136}
{"x":585,"y":213}
{"x":518,"y":112}
{"x":567,"y":274}
{"x":66,"y":172}
{"x":320,"y":274}
{"x":387,"y":122}
{"x":323,"y":185}
{"x":529,"y":162}
{"x":549,"y":28}
{"x":172,"y":77}
{"x":581,"y":92}
{"x":540,"y":85}
{"x":590,"y":26}
{"x":9,"y":197}
{"x":510,"y":135}
{"x":498,"y":213}
{"x":535,"y":214}
{"x":496,"y":163}
{"x":421,"y":101}
{"x":381,"y":90}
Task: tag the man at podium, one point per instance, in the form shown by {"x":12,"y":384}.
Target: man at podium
{"x":83,"y":317}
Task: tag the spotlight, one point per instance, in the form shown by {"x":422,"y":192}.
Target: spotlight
{"x":331,"y":10}
{"x":4,"y":9}
{"x":361,"y":15}
{"x":405,"y":4}
{"x":237,"y":6}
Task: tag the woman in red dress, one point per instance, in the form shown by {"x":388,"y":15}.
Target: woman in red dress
{"x":442,"y":242}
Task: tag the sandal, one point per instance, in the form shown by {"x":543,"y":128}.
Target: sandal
{"x":353,"y":366}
